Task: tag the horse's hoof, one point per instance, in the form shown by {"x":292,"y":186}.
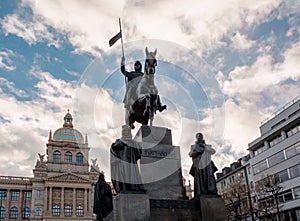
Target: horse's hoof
{"x":161,"y":108}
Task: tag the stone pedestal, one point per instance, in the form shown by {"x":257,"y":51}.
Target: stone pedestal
{"x":212,"y":208}
{"x":130,"y":207}
{"x":160,"y":164}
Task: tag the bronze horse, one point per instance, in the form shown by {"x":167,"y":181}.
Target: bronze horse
{"x":148,"y":99}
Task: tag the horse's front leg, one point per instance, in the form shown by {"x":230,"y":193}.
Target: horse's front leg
{"x":148,"y":105}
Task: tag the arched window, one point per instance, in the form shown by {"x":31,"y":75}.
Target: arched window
{"x":68,"y":210}
{"x":56,"y":156}
{"x":56,"y":210}
{"x":79,"y":158}
{"x":38,"y":211}
{"x":68,"y":157}
{"x":13,"y":213}
{"x":79,"y":211}
{"x":2,"y":212}
{"x":26,"y":212}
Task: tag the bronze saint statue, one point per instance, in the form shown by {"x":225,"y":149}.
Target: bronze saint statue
{"x":103,"y":203}
{"x":125,"y":152}
{"x":203,"y":168}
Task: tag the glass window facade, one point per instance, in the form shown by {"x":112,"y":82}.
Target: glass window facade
{"x":2,"y":212}
{"x":56,"y":210}
{"x":56,"y":156}
{"x":79,"y":158}
{"x":79,"y":211}
{"x":275,"y":159}
{"x":26,"y":213}
{"x":260,"y":167}
{"x":68,"y":210}
{"x":3,"y":194}
{"x":13,"y":214}
{"x":15,"y":194}
{"x":68,"y":157}
{"x":38,"y":211}
{"x":295,"y":171}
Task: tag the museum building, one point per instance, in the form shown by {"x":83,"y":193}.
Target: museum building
{"x":277,"y":152}
{"x":62,"y":185}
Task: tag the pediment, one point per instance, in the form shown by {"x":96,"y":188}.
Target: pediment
{"x":69,"y":178}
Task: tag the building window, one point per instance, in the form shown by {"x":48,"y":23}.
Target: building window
{"x":285,"y":196}
{"x":68,"y":210}
{"x":257,"y":168}
{"x":15,"y":195}
{"x":3,"y":194}
{"x":2,"y":212}
{"x":79,"y":211}
{"x":13,"y":214}
{"x":275,"y":159}
{"x":293,"y":150}
{"x":283,"y":175}
{"x":39,"y":194}
{"x":68,"y":157}
{"x":297,"y":192}
{"x":56,"y":156}
{"x":79,"y":158}
{"x":293,"y":130}
{"x":27,"y":195}
{"x":295,"y":171}
{"x":26,"y":213}
{"x":56,"y":210}
{"x":38,"y":211}
{"x":276,"y":140}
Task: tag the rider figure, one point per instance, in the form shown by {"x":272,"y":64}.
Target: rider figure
{"x":133,"y":78}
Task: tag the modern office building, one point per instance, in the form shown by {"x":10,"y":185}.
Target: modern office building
{"x":62,"y":184}
{"x":277,"y":152}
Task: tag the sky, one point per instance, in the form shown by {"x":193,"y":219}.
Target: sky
{"x":223,"y":67}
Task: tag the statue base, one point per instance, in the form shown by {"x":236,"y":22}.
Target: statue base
{"x":130,"y":206}
{"x":160,"y":164}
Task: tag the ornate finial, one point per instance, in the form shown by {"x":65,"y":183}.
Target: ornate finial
{"x":50,"y":135}
{"x":86,"y":139}
{"x":68,"y":120}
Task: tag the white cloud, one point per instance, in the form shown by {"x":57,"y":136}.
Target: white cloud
{"x":241,"y":42}
{"x":11,"y":87}
{"x":196,"y":24}
{"x":6,"y":61}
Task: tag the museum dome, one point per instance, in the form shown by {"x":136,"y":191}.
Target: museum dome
{"x":67,"y":132}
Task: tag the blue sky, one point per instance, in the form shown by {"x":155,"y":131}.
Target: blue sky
{"x":223,"y":67}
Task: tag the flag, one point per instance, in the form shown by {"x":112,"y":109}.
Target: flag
{"x":114,"y":39}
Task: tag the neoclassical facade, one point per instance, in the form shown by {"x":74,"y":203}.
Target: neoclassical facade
{"x":62,"y":184}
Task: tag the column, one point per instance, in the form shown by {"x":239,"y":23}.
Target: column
{"x":62,"y":200}
{"x":283,"y":135}
{"x":50,"y":200}
{"x":46,"y":210}
{"x":74,"y":203}
{"x":90,"y":205}
{"x":8,"y":202}
{"x":85,"y":208}
{"x":267,"y":145}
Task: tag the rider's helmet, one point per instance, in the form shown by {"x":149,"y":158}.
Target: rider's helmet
{"x":138,"y":66}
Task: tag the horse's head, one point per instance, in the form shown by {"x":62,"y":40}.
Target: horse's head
{"x":150,"y":62}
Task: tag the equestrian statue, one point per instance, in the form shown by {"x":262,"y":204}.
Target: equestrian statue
{"x":141,"y":99}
